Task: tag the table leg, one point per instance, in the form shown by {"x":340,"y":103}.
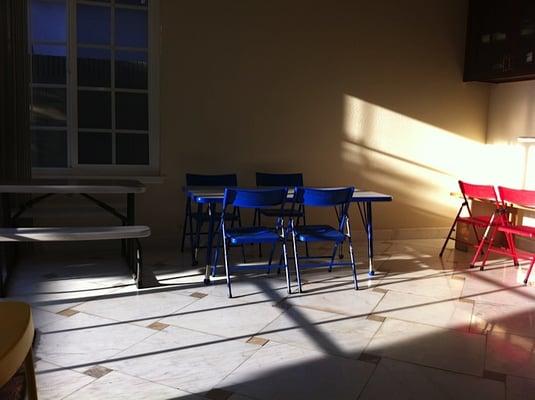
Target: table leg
{"x":131,"y":220}
{"x":211,"y":214}
{"x":369,"y":232}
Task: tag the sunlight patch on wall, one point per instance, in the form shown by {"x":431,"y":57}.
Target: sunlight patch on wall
{"x":419,"y":162}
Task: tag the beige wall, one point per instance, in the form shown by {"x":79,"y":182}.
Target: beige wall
{"x":348,"y":92}
{"x":512,"y":114}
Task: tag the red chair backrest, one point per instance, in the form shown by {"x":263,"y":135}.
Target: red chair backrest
{"x":483,"y":192}
{"x":520,"y":197}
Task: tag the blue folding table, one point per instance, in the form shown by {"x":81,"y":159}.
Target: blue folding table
{"x":214,"y":196}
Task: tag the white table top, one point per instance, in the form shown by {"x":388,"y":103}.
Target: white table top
{"x":73,"y":186}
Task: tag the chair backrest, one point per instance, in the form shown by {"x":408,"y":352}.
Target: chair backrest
{"x":481,"y":192}
{"x":323,"y":197}
{"x":525,"y":198}
{"x":211,"y":180}
{"x":289,"y":180}
{"x":254,"y":198}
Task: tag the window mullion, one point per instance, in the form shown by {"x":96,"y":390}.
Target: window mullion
{"x":72,"y":84}
{"x":113,"y":97}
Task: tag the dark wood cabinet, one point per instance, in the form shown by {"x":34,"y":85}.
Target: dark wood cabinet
{"x":500,"y":41}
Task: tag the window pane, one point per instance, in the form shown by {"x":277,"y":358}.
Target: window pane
{"x":131,"y":69}
{"x":48,"y":64}
{"x":94,"y":109}
{"x":130,"y":27}
{"x":143,"y":3}
{"x":94,"y":148}
{"x":94,"y":67}
{"x":48,"y":107}
{"x":132,"y":148}
{"x":49,"y":148}
{"x":93,"y":24}
{"x":48,"y":21}
{"x":131,"y":111}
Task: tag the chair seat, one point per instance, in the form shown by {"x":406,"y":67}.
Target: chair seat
{"x":318,"y":233}
{"x":255,"y":234}
{"x":480,"y":220}
{"x":521,"y":230}
{"x":277,"y":212}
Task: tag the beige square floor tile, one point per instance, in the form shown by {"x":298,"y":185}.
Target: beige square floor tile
{"x":119,"y":386}
{"x":430,"y":346}
{"x":520,"y":388}
{"x":224,"y":317}
{"x":403,"y":381}
{"x":342,"y":299}
{"x":318,"y":330}
{"x":280,"y":371}
{"x":511,"y":354}
{"x":184,"y":359}
{"x":519,"y":319}
{"x":141,"y":308}
{"x":42,"y":318}
{"x":498,"y":285}
{"x":59,"y":382}
{"x":451,"y":314}
{"x":425,"y":282}
{"x":81,"y":341}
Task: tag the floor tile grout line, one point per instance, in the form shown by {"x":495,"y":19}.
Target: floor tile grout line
{"x":368,"y":380}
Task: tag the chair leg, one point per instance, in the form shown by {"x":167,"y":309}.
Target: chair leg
{"x":139,"y":265}
{"x":353,"y":266}
{"x":216,"y":257}
{"x":270,"y":261}
{"x":491,"y":241}
{"x":259,"y":244}
{"x":512,"y":248}
{"x":335,"y":248}
{"x":305,"y":224}
{"x":529,"y":271}
{"x":227,"y":268}
{"x":287,"y":270}
{"x":479,"y":249}
{"x":296,"y":262}
{"x":450,"y":232}
{"x":198,"y":225}
{"x":184,"y":227}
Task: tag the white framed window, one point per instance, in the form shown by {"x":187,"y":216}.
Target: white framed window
{"x":94,"y":86}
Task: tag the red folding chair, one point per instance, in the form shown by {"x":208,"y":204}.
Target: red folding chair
{"x":515,"y":197}
{"x":474,"y":192}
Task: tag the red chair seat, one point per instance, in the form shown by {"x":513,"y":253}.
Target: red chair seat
{"x":521,"y":230}
{"x":480,"y":220}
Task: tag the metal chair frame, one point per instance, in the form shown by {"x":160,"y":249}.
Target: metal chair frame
{"x":264,"y":179}
{"x":253,"y":199}
{"x":472,"y":192}
{"x":201,"y":215}
{"x":340,"y":199}
{"x":518,"y":197}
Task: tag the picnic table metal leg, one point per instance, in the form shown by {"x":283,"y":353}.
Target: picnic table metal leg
{"x":131,"y":220}
{"x":369,"y":232}
{"x":211,"y":214}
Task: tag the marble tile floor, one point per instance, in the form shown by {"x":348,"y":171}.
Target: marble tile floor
{"x":421,"y":328}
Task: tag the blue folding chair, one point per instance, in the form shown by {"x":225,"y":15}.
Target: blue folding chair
{"x":256,"y":199}
{"x":340,"y":199}
{"x":279,"y":180}
{"x":201,"y":216}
